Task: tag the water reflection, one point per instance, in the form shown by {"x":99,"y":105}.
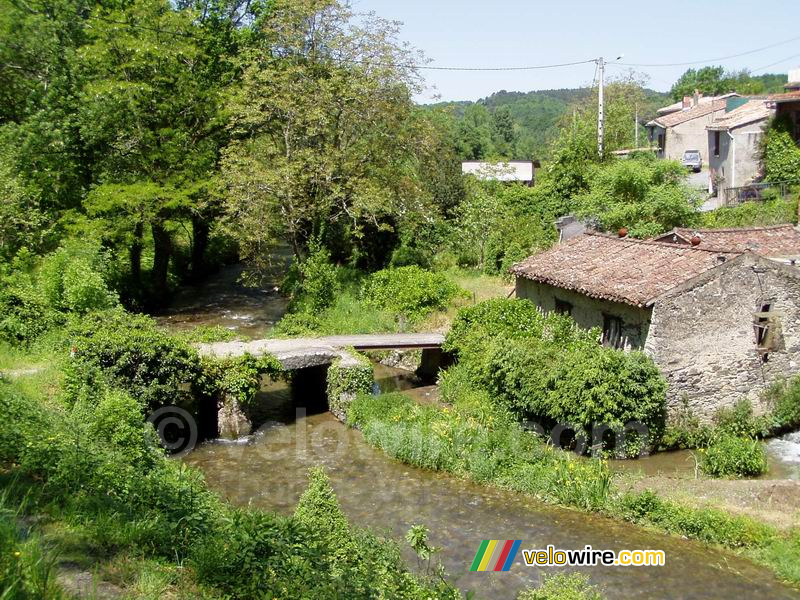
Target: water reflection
{"x":269,"y":470}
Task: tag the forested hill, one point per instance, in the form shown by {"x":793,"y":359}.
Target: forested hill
{"x":534,"y":115}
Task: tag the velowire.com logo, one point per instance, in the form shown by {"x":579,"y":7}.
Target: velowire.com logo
{"x":495,"y":555}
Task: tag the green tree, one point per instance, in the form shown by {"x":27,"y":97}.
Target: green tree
{"x":150,"y":119}
{"x":475,"y":133}
{"x":325,"y":130}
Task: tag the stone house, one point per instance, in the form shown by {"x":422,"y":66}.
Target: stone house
{"x":734,"y":144}
{"x":675,"y":132}
{"x":720,"y":323}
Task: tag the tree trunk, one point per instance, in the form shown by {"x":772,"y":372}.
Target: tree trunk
{"x":200,"y":234}
{"x":162,"y":246}
{"x":136,"y":254}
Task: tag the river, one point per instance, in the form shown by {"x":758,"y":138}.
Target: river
{"x":269,"y":470}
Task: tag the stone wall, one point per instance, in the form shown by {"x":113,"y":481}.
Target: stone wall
{"x":588,"y":312}
{"x":703,"y":340}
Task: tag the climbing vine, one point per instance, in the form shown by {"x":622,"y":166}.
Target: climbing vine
{"x":237,"y":377}
{"x":346,"y":381}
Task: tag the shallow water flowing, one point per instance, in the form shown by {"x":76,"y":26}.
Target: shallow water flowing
{"x":269,"y":470}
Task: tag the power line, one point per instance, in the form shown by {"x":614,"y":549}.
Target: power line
{"x":710,"y":60}
{"x":777,"y":62}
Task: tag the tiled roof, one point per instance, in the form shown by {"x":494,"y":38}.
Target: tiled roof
{"x":681,"y":116}
{"x":753,"y":111}
{"x":618,"y":269}
{"x":786,"y":97}
{"x":777,"y":240}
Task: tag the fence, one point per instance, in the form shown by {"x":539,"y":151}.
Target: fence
{"x":755,"y":192}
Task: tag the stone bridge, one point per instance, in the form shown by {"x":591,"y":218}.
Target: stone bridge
{"x":309,"y":359}
{"x":301,"y":353}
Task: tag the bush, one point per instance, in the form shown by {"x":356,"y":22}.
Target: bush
{"x":133,"y":354}
{"x":344,"y":383}
{"x":705,"y":524}
{"x":318,"y":284}
{"x":781,"y":154}
{"x":544,"y":367}
{"x":574,"y":586}
{"x":467,"y":440}
{"x":729,"y":455}
{"x":409,"y":291}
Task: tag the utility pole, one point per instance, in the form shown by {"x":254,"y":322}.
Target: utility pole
{"x":601,"y":117}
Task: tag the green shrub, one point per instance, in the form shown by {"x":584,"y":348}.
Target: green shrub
{"x":409,"y":291}
{"x":318,"y":284}
{"x":751,"y":214}
{"x":784,"y":400}
{"x":344,"y":383}
{"x":134,"y":354}
{"x":781,"y":154}
{"x":730,"y":455}
{"x":495,"y":450}
{"x":544,"y":367}
{"x":705,"y":524}
{"x":573,"y":586}
{"x":237,"y":377}
{"x":299,"y":324}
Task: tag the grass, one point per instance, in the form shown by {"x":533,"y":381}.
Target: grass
{"x":470,"y":439}
{"x":350,"y":315}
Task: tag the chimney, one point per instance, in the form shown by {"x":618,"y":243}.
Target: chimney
{"x":697,"y":96}
{"x":794,"y":80}
{"x":687,"y":103}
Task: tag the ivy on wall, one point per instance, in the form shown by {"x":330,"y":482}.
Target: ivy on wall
{"x":237,"y":378}
{"x":346,"y":381}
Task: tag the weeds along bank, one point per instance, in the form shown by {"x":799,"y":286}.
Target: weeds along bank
{"x":517,"y":364}
{"x":82,"y":462}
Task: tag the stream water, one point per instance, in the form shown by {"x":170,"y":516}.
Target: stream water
{"x":269,"y":470}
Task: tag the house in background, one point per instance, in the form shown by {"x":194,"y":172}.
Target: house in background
{"x":788,"y":106}
{"x":721,"y":324}
{"x":675,"y":132}
{"x":734,"y":143}
{"x":522,"y":171}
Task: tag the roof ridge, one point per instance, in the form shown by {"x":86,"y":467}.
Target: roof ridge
{"x":736,"y":229}
{"x":665,"y":245}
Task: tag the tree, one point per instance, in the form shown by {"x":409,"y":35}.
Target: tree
{"x":150,"y":119}
{"x":475,"y":132}
{"x":713,"y":81}
{"x":325,"y":132}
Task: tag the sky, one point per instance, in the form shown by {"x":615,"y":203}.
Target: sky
{"x":515,"y":33}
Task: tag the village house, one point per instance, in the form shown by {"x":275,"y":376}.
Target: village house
{"x":734,"y":143}
{"x":676,"y":131}
{"x":522,"y":171}
{"x":721,"y":323}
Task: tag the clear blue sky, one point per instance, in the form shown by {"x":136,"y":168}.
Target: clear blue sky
{"x":523,"y":33}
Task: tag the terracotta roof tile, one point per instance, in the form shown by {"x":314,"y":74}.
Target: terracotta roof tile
{"x":618,"y":269}
{"x":753,"y":111}
{"x":681,"y":116}
{"x":776,"y":240}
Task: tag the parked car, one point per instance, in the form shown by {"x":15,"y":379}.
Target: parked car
{"x":692,"y":159}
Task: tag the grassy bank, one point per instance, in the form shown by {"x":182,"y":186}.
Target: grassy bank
{"x":470,"y":440}
{"x":90,"y":497}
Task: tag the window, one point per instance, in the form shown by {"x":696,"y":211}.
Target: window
{"x":612,"y":331}
{"x":765,"y":325}
{"x":661,"y":142}
{"x":716,"y":143}
{"x":563,"y":307}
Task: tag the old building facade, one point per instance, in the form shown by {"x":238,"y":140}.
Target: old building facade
{"x":721,"y":323}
